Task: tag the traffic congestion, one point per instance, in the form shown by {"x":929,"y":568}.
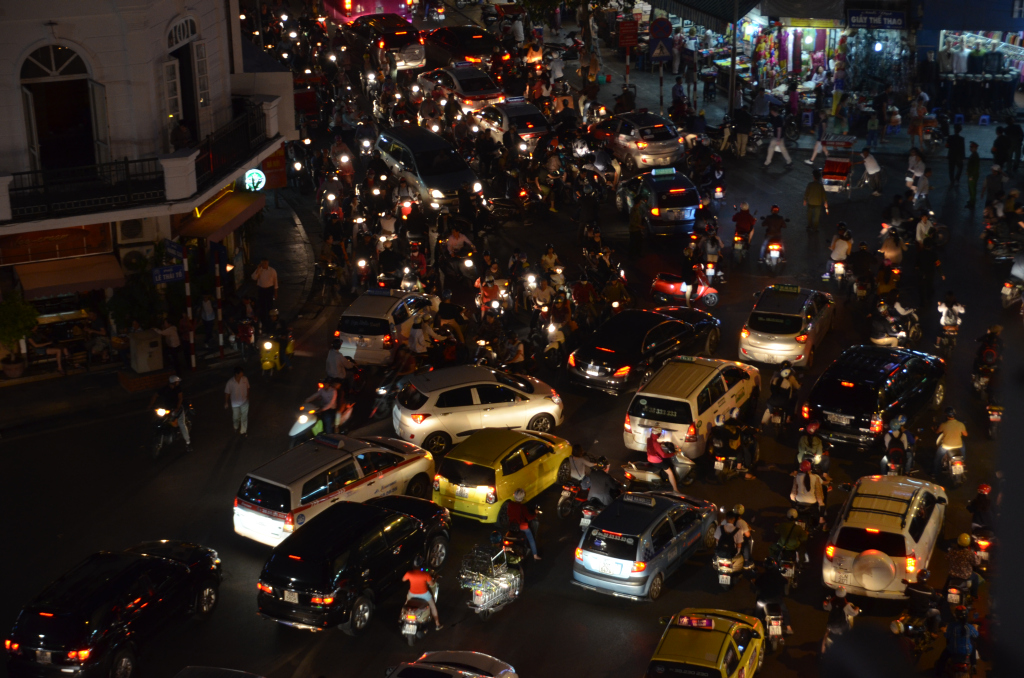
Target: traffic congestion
{"x":581,"y":394}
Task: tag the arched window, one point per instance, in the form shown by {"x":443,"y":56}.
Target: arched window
{"x":182,"y":32}
{"x":53,"y":61}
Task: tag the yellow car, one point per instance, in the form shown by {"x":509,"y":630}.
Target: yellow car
{"x":478,"y":476}
{"x":709,"y":644}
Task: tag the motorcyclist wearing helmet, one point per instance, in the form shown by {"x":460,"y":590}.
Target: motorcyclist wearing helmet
{"x":420,"y":585}
{"x":951,"y":438}
{"x":741,"y":442}
{"x":962,"y":560}
{"x":792,"y":536}
{"x":773,"y":225}
{"x":810,"y":445}
{"x":450,"y":314}
{"x":660,"y":457}
{"x":923,"y":601}
{"x":808,"y":490}
{"x":489,"y":292}
{"x":718,"y":438}
{"x":771,"y":588}
{"x":981,"y":509}
{"x":523,"y":518}
{"x":899,"y":446}
{"x":745,"y":221}
{"x":782,"y":392}
{"x":961,"y":641}
{"x":841,"y":611}
{"x":600,"y":487}
{"x":884,"y":331}
{"x":990,"y":349}
{"x":490,"y":330}
{"x":585,"y":296}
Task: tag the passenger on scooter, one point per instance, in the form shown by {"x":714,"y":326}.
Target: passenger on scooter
{"x":771,"y":588}
{"x":561,"y":312}
{"x":389,"y":260}
{"x":782,"y":392}
{"x":738,"y":528}
{"x":884,"y":331}
{"x":810,"y":445}
{"x":981,"y":509}
{"x":951,"y":438}
{"x":923,"y":602}
{"x":489,"y":292}
{"x":808,"y":490}
{"x":792,"y":536}
{"x":687,"y":272}
{"x":861,"y":263}
{"x":450,"y":314}
{"x":842,"y":244}
{"x":961,"y":639}
{"x":521,"y":517}
{"x":773,"y":225}
{"x":457,"y":241}
{"x":660,"y":458}
{"x":741,"y":440}
{"x":899,"y":447}
{"x":549,"y":260}
{"x":420,"y":583}
{"x":579,"y":466}
{"x":745,"y":221}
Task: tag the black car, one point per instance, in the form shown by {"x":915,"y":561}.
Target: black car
{"x":344,"y":561}
{"x":633,"y":344}
{"x":867,"y":386}
{"x":450,"y":44}
{"x":94,"y":619}
{"x":373,"y":33}
{"x":672,"y":200}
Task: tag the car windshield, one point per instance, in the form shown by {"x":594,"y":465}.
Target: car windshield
{"x":659,"y":669}
{"x":678,"y":198}
{"x":775,"y":323}
{"x":411,"y":398}
{"x":515,"y":382}
{"x":530,"y":123}
{"x":831,"y":392}
{"x":362,"y":325}
{"x":467,"y":473}
{"x":661,"y":409}
{"x":438,"y":162}
{"x":265,"y":495}
{"x":658,"y":133}
{"x":481,"y":84}
{"x":860,"y":539}
{"x":611,"y":544}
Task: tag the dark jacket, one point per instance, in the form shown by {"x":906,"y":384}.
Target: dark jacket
{"x":955,"y":144}
{"x":744,"y":121}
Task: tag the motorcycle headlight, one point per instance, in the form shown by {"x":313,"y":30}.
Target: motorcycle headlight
{"x":551,"y":328}
{"x":434,"y":129}
{"x":376,"y":191}
{"x":297,"y":166}
{"x":362,"y":263}
{"x":303,"y":419}
{"x":331,"y":197}
{"x":444,"y":102}
{"x":436,"y":194}
{"x":494,"y":304}
{"x":161,"y":412}
{"x":531,"y":278}
{"x":475,"y":129}
{"x":371,"y":77}
{"x":366,"y":143}
{"x":267,"y":345}
{"x":522,"y":147}
{"x":406,"y":270}
{"x":477,"y":187}
{"x":415,"y":88}
{"x":469,"y":263}
{"x":293,"y":35}
{"x":333,"y":58}
{"x":344,"y":159}
{"x":382,"y":390}
{"x":435,"y":206}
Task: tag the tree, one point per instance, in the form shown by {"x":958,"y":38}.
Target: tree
{"x":17,"y":320}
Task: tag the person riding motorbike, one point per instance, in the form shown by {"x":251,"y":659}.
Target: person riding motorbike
{"x":950,"y":311}
{"x":782,"y":391}
{"x":327,"y":405}
{"x":740,"y":439}
{"x":982,"y":516}
{"x":773,"y":225}
{"x":710,"y":247}
{"x":515,"y":353}
{"x":884,"y":332}
{"x":457,"y":241}
{"x":961,"y":639}
{"x":736,"y":529}
{"x":771,"y":588}
{"x":579,"y":465}
{"x":600,"y":487}
{"x":791,"y":536}
{"x":660,"y":458}
{"x":489,"y":292}
{"x":615,"y":292}
{"x":808,"y":490}
{"x":420,"y":583}
{"x":841,"y":612}
{"x":990,"y":348}
{"x":861,"y":264}
{"x":584,"y":296}
{"x":923,"y":602}
{"x":389,"y":260}
{"x":745,"y":222}
{"x":810,"y":445}
{"x":951,"y":438}
{"x":172,"y":397}
{"x":521,"y":517}
{"x":962,"y":560}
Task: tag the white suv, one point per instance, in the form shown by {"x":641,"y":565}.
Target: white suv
{"x":441,"y":406}
{"x":886,"y":532}
{"x":377,"y":321}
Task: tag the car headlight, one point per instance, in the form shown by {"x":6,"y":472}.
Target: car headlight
{"x":436,"y":194}
{"x":267,"y":345}
{"x":303,"y":419}
{"x":477,"y":187}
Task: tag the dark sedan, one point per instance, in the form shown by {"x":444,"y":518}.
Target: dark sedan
{"x":94,"y":619}
{"x":636,"y":342}
{"x":450,"y":44}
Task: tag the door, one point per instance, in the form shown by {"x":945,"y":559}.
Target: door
{"x":709,"y":405}
{"x":342,"y":480}
{"x":173,"y":591}
{"x":386,"y":465}
{"x":688,"y":524}
{"x":660,"y":554}
{"x":539,"y":471}
{"x":314,"y":490}
{"x":499,"y":406}
{"x":924,"y":527}
{"x":743,"y":636}
{"x":29,"y":105}
{"x":822,"y":317}
{"x":921,"y":387}
{"x":458,"y":412}
{"x":405,"y":542}
{"x":513,"y":474}
{"x":100,"y":129}
{"x":731,"y":660}
{"x":372,"y":480}
{"x":375,"y":561}
{"x":736,"y":387}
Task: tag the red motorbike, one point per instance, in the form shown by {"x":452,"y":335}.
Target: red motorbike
{"x":668,"y":288}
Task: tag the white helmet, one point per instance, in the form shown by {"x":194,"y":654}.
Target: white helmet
{"x":719,"y":420}
{"x":744,"y":206}
{"x":519,"y":496}
{"x":734,"y":413}
{"x":786,"y":373}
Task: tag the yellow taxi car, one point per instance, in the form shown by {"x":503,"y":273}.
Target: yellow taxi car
{"x":709,"y":644}
{"x":478,"y":476}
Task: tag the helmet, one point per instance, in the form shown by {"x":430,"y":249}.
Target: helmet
{"x":734,"y":413}
{"x":984,"y":489}
{"x":812,"y":426}
{"x":519,"y":496}
{"x":744,"y":206}
{"x":336,"y":344}
{"x":485,"y":253}
{"x":775,"y":209}
{"x":273,"y":312}
{"x":489,"y":280}
{"x":738,"y":509}
{"x":792,"y":514}
{"x":898,"y":422}
{"x":495,"y":537}
{"x":964,"y":540}
{"x":923,"y":576}
{"x":785,"y":364}
{"x":585,"y":483}
{"x":841,"y":226}
{"x":417,"y":561}
{"x":719,"y":420}
{"x":805,"y":466}
{"x":896,"y":627}
{"x":840,"y":593}
{"x":882,"y":307}
{"x":447,"y":295}
{"x":583,"y":276}
{"x":785,"y":374}
{"x":950,"y":413}
{"x":174,"y":379}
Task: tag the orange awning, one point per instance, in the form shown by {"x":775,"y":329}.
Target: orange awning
{"x":67,"y":276}
{"x":224,"y":216}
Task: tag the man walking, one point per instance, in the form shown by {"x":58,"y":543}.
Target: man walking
{"x":872,"y":171}
{"x":955,"y":156}
{"x":778,"y":142}
{"x":814,"y":199}
{"x":236,"y":396}
{"x":973,"y":174}
{"x":744,"y":125}
{"x":678,"y":41}
{"x":266,"y":283}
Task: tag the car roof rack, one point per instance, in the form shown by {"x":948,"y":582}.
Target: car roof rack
{"x":902,"y":515}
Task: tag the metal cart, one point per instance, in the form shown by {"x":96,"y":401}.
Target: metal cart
{"x":837,"y":173}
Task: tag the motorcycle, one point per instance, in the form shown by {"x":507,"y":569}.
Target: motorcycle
{"x":740,"y":247}
{"x":517,"y":548}
{"x":772,"y":614}
{"x":728,"y":561}
{"x":493,"y":581}
{"x":167,"y":427}
{"x":980,"y":379}
{"x":307,"y":425}
{"x":837,"y":274}
{"x":668,"y":288}
{"x":385,"y":396}
{"x":270,"y":353}
{"x":983,"y":542}
{"x":485,"y":354}
{"x":554,"y":352}
{"x":415,"y":617}
{"x":726,"y":460}
{"x":1001,"y":249}
{"x":907,"y":321}
{"x":775,"y":258}
{"x":954,"y":466}
{"x":995,"y":417}
{"x":862,"y":288}
{"x":1011,"y":292}
{"x":245,"y":336}
{"x":946,"y":341}
{"x":573,"y":495}
{"x":641,"y":475}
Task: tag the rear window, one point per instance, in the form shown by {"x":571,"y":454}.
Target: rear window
{"x":362,"y":325}
{"x":657,"y":669}
{"x":661,"y":409}
{"x":265,"y":495}
{"x":618,"y":546}
{"x":684,"y":198}
{"x":303,"y":572}
{"x":411,"y":399}
{"x":858,"y":540}
{"x":530,"y":123}
{"x":776,"y":323}
{"x":57,"y":631}
{"x":400,"y":39}
{"x":470,"y":85}
{"x":831,"y":392}
{"x":658,"y":133}
{"x":466,"y":473}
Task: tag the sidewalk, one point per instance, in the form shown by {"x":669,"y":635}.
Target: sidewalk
{"x":48,"y":395}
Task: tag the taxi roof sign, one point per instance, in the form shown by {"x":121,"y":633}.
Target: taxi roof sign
{"x":640,"y":499}
{"x":690,"y":622}
{"x":464,"y":64}
{"x":664,"y":171}
{"x":515,"y":100}
{"x":791,"y":289}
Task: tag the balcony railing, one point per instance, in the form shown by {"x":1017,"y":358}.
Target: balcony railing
{"x":222,"y":151}
{"x":92,"y":188}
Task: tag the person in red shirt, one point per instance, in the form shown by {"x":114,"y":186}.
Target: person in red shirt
{"x":658,"y":456}
{"x":420,"y":582}
{"x":521,"y":517}
{"x":745,"y":221}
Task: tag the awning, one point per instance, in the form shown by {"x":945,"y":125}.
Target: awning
{"x":67,"y":276}
{"x":224,"y":216}
{"x":713,"y":14}
{"x":804,"y":9}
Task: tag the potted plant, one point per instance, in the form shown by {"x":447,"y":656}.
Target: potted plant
{"x":17,"y":320}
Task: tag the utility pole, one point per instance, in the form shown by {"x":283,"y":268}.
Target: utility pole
{"x":732,"y":72}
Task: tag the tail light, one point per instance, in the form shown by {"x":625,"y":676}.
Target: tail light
{"x":289,"y":522}
{"x":681,"y":140}
{"x":830,"y":551}
{"x":805,"y":411}
{"x":79,"y":655}
{"x":691,"y":434}
{"x":410,"y":617}
{"x":587,"y":513}
{"x":737,"y":238}
{"x":958,"y":463}
{"x":775,"y":246}
{"x":1008,"y":285}
{"x":492,"y":496}
{"x":326,"y":600}
{"x":579,"y":554}
{"x":639,"y":566}
{"x":419,"y":418}
{"x":422,"y":40}
{"x":911,"y":564}
{"x":437,"y":482}
{"x":621,"y":372}
{"x":11,"y":646}
{"x":264,"y":588}
{"x":629,"y":476}
{"x":744,"y":333}
{"x":388,"y":341}
{"x":348,"y":6}
{"x":655,"y":211}
{"x":236,"y":502}
{"x":522,"y":192}
{"x":641,"y":145}
{"x":801,"y":339}
{"x":876,"y":423}
{"x":983,"y":544}
{"x":380,"y":44}
{"x":719,"y":458}
{"x":625,"y":427}
{"x":337,"y":333}
{"x":572,"y":359}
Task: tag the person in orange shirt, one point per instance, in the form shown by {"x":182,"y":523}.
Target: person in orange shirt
{"x":420,"y":582}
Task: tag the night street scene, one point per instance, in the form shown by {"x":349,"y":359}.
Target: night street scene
{"x":486,"y":339}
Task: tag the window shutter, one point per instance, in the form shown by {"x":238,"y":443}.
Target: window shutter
{"x":202,"y":75}
{"x":29,"y":104}
{"x":100,"y":126}
{"x":172,"y":93}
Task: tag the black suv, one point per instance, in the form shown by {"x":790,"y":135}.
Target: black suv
{"x":335,"y":569}
{"x":375,"y":33}
{"x":867,"y":386}
{"x":91,"y":621}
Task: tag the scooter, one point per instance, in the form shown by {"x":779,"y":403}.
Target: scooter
{"x":307,"y":425}
{"x":573,"y":495}
{"x":668,"y":288}
{"x":554,"y":353}
{"x":517,"y":548}
{"x":983,"y":543}
{"x":167,"y":427}
{"x":772,"y":613}
{"x":954,"y":466}
{"x":740,"y":247}
{"x":270,"y":353}
{"x":1011,"y":292}
{"x":995,"y":417}
{"x":385,"y":396}
{"x":726,"y":460}
{"x":415,"y":617}
{"x":728,"y":561}
{"x":775,"y":258}
{"x":640,"y":475}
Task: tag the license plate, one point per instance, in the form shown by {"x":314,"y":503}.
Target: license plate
{"x":775,"y":629}
{"x":724,"y":579}
{"x":838,"y":419}
{"x":44,"y":657}
{"x":610,"y":568}
{"x":462,"y":492}
{"x":584,"y":523}
{"x":787,"y":571}
{"x":995,"y":416}
{"x":592,"y":373}
{"x":719,"y":465}
{"x":718,"y":195}
{"x":291,"y":597}
{"x":841,"y":578}
{"x":408,"y":628}
{"x":774,"y":254}
{"x":776,"y":419}
{"x":958,"y":469}
{"x":953,"y":598}
{"x":983,"y":555}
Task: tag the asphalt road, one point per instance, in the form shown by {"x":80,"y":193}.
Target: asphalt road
{"x":73,"y":489}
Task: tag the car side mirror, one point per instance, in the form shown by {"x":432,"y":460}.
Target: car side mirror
{"x":664,"y":621}
{"x":941,"y":501}
{"x":756,"y":295}
{"x":389,"y":670}
{"x":755,"y":635}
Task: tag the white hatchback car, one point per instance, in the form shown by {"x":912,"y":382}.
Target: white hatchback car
{"x":788,"y":322}
{"x":444,"y":406}
{"x":886,"y":533}
{"x":377,"y":321}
